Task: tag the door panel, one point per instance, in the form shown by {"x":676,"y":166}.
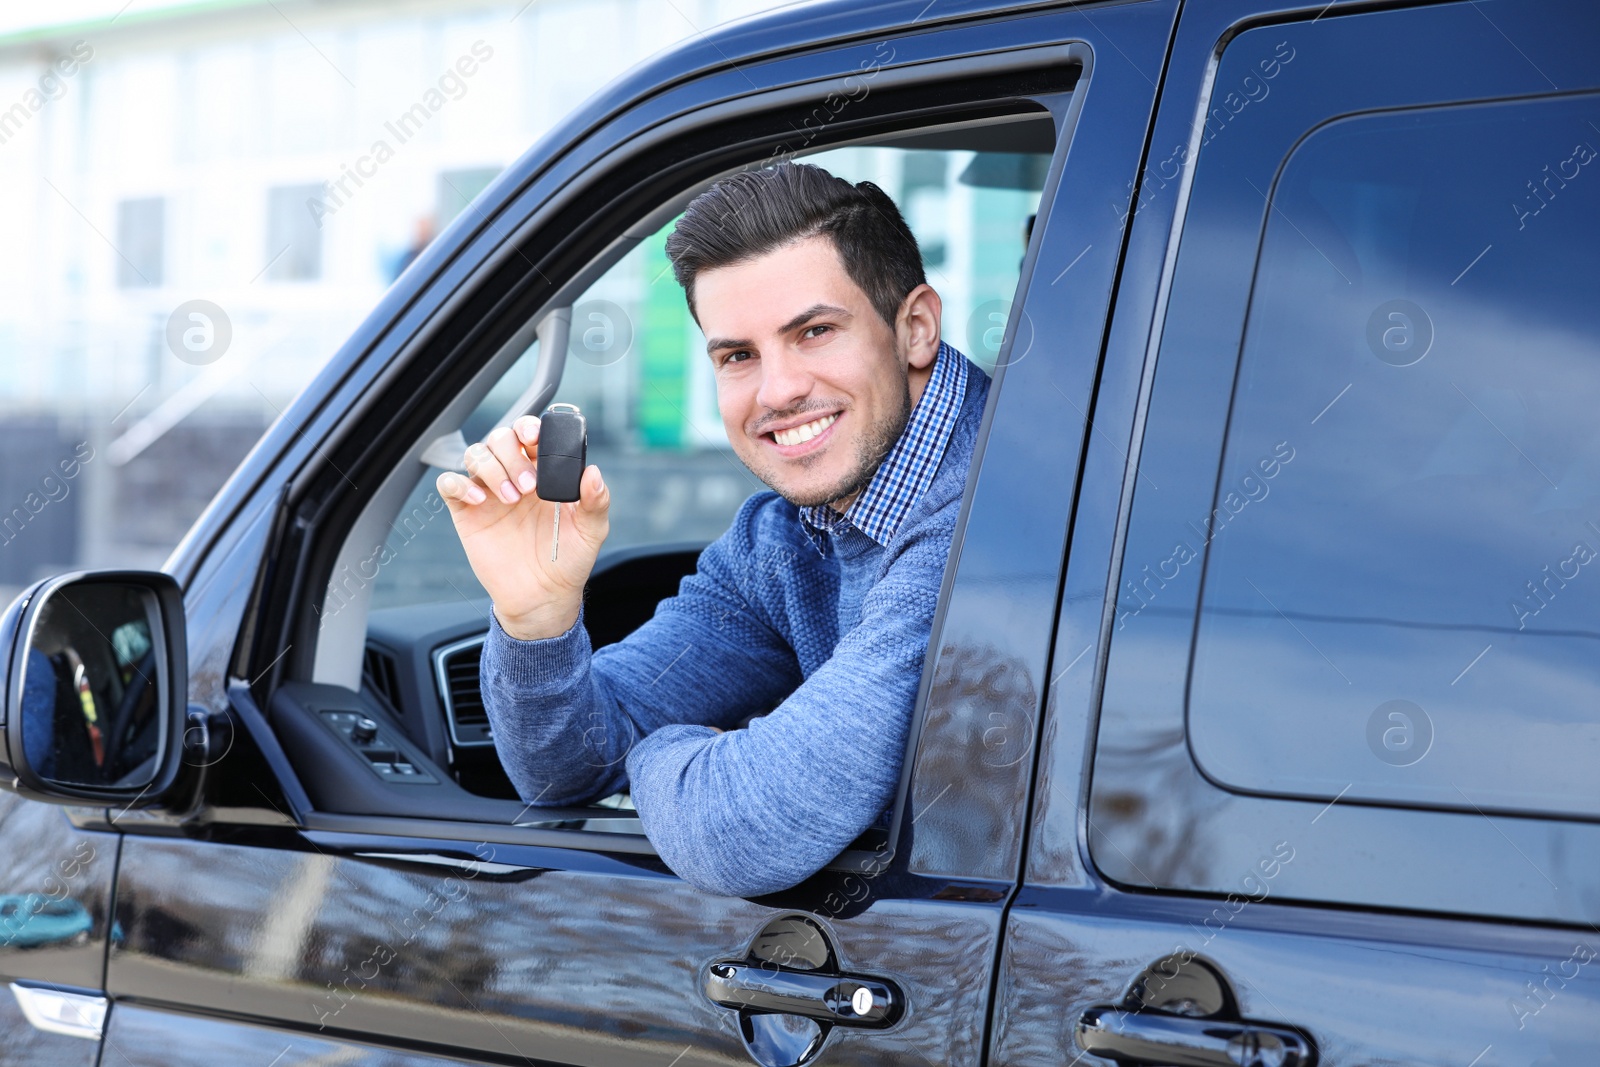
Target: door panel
{"x":1368,"y":992}
{"x":1182,"y":876}
{"x":27,"y":1046}
{"x":144,"y":1037}
{"x":55,"y":901}
{"x":512,"y":955}
{"x":55,"y":892}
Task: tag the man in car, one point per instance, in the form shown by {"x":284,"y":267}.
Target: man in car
{"x":836,"y":391}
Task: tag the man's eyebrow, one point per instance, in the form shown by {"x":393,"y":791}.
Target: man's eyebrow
{"x":810,"y":313}
{"x":799,"y":320}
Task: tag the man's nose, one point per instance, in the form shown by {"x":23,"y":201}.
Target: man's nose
{"x":785,"y":380}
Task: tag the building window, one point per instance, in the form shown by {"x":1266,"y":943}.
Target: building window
{"x":294,"y":243}
{"x":141,"y":237}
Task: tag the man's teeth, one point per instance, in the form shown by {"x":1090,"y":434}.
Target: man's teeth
{"x":803,"y":433}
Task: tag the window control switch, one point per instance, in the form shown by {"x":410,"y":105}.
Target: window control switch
{"x":377,"y":747}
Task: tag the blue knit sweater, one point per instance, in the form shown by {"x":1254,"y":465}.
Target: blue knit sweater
{"x":833,"y":642}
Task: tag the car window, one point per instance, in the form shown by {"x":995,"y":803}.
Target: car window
{"x":1349,"y":603}
{"x":1409,"y":578}
{"x":636,"y":363}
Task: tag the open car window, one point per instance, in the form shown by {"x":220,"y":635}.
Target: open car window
{"x":634,"y":363}
{"x":401,"y":619}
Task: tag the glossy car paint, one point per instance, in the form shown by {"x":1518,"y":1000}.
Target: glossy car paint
{"x":56,"y":888}
{"x":55,"y":917}
{"x":148,"y":1037}
{"x":1370,"y":985}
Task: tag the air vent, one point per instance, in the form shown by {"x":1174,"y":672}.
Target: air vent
{"x":378,"y":671}
{"x":457,"y":669}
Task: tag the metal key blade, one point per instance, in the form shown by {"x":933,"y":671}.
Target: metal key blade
{"x":555,"y":536}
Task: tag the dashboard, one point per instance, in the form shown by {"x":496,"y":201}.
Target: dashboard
{"x":416,"y":740}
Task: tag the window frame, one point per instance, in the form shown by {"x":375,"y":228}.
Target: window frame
{"x":1013,"y":80}
{"x":1366,"y":854}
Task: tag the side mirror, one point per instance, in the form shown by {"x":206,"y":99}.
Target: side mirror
{"x":95,"y":688}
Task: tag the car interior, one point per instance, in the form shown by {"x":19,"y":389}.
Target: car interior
{"x":392,"y":722}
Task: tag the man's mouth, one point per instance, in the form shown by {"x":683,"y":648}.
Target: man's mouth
{"x":802,"y":438}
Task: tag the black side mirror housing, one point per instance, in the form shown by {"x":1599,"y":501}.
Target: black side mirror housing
{"x":95,"y":684}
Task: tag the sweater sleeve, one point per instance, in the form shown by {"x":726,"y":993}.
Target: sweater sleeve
{"x":760,"y":809}
{"x":566,"y":717}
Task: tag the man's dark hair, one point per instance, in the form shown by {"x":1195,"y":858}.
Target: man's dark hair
{"x":749,"y":214}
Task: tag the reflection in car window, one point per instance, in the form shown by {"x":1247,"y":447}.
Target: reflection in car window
{"x":636,"y":364}
{"x":1404,"y":546}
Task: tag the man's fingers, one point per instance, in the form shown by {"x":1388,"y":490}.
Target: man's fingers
{"x":527,"y":429}
{"x":456,"y":489}
{"x":508,"y":451}
{"x":487,"y":470}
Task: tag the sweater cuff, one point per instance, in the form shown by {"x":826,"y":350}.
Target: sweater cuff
{"x":541,"y":664}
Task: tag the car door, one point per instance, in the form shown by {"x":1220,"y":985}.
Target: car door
{"x":55,"y":917}
{"x":1314,"y":786}
{"x":267,"y":921}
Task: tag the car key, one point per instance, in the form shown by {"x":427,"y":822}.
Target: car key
{"x":563,"y":454}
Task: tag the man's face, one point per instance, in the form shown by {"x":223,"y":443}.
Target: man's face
{"x":814,"y":387}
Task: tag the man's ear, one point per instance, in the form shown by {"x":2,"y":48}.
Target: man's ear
{"x":917,"y":326}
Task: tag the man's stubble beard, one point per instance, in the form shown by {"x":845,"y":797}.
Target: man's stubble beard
{"x":876,"y":445}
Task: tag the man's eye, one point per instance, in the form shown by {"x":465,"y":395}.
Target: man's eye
{"x":819,"y":326}
{"x":731,"y":357}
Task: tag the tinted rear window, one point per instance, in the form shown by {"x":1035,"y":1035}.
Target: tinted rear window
{"x":1402,"y":586}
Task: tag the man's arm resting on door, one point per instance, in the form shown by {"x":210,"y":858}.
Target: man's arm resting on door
{"x":761,"y":809}
{"x":565,"y":717}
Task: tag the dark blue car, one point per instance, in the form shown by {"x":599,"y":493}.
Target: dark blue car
{"x":1261,"y":716}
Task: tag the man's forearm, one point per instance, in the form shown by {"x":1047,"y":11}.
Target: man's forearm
{"x":557,"y":741}
{"x":760,"y":809}
{"x":565,"y":716}
{"x":731,"y":816}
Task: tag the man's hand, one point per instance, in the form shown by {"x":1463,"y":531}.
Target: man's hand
{"x":506,"y":531}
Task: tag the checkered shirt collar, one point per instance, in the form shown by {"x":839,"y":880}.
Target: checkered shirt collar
{"x":909,"y":468}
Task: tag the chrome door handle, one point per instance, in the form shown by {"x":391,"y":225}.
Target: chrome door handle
{"x":842,"y":999}
{"x":1158,"y":1037}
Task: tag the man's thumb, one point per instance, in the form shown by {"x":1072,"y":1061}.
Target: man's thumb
{"x":594,"y":497}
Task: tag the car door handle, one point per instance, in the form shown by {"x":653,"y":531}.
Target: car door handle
{"x":843,"y":999}
{"x":1156,"y":1037}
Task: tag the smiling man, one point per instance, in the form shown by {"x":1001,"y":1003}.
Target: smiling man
{"x":817,"y":602}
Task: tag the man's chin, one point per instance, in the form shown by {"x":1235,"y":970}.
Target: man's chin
{"x":812,"y":497}
{"x":802,"y":498}
{"x":806,"y":501}
{"x":807,"y":491}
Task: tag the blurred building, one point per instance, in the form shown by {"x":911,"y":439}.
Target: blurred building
{"x":282,"y":160}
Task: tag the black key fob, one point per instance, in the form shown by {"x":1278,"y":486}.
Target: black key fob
{"x":563,"y":452}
